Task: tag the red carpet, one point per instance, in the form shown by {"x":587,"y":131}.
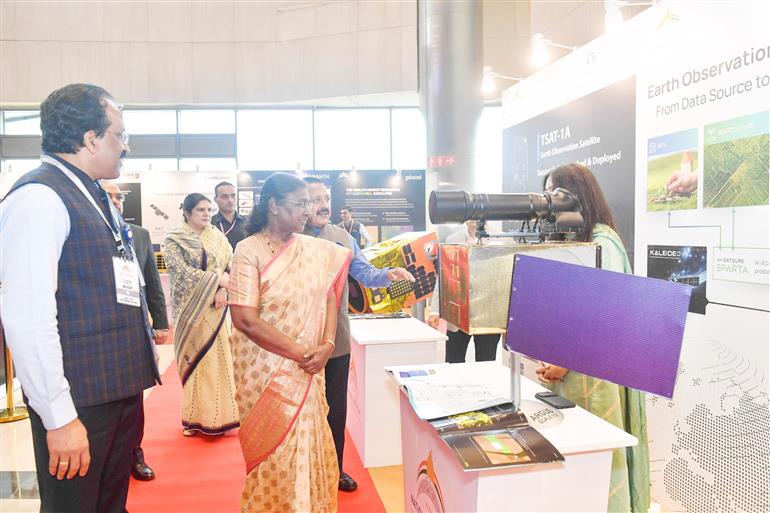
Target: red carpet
{"x":203,"y":474}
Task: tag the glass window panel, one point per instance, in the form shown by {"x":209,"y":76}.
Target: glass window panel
{"x":352,"y":138}
{"x":150,"y":121}
{"x":12,"y":169}
{"x":409,"y":149}
{"x":275,"y":140}
{"x":19,"y":165}
{"x":22,"y":122}
{"x":489,"y":151}
{"x":206,"y":164}
{"x":140,"y":165}
{"x":207,"y":121}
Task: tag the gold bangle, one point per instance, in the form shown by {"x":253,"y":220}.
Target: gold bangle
{"x":329,"y":341}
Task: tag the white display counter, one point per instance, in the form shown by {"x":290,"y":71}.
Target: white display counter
{"x":435,"y":481}
{"x":373,"y":409}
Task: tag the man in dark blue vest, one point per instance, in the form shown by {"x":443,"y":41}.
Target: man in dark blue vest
{"x":72,"y":305}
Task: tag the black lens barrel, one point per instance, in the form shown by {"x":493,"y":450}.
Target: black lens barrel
{"x":460,"y":206}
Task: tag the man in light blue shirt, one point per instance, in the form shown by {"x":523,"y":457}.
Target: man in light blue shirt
{"x":360,"y":269}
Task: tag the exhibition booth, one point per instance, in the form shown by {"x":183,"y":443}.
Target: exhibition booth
{"x":680,"y":95}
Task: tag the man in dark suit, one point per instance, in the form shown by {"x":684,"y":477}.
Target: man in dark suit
{"x":74,"y":313}
{"x":156,"y":303}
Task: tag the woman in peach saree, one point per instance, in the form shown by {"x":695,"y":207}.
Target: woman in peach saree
{"x":284,"y":293}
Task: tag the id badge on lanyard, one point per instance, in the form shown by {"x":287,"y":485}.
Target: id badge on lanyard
{"x":127,"y":282}
{"x":128,"y":276}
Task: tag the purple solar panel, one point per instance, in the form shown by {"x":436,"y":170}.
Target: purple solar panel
{"x":619,"y":327}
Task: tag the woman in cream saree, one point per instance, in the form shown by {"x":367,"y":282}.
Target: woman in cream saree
{"x":284,"y":291}
{"x":197,"y":258}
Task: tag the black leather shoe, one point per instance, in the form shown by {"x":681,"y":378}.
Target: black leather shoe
{"x":141,"y":470}
{"x":347,"y":483}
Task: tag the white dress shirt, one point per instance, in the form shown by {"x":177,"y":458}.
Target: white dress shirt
{"x":461,"y":236}
{"x":34,"y":224}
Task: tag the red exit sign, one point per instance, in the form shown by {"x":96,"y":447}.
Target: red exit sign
{"x":441,"y":161}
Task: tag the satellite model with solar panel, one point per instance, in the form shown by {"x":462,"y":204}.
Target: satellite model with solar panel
{"x":414,"y":251}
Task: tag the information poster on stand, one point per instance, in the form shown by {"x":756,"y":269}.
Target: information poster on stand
{"x":386,"y":202}
{"x":597,"y":131}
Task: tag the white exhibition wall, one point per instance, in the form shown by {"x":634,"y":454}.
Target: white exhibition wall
{"x":702,"y":94}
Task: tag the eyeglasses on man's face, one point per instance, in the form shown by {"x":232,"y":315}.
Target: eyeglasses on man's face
{"x":117,"y":197}
{"x":124,"y":136}
{"x":321,"y":199}
{"x":303,"y":204}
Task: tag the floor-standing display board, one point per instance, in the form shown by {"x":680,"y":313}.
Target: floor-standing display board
{"x":373,"y":403}
{"x":435,"y":481}
{"x":386,"y":202}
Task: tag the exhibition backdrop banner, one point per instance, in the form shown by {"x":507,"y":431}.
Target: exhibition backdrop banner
{"x":702,"y":124}
{"x":702,"y":113}
{"x":163,"y":193}
{"x":570,"y":315}
{"x":386,"y":202}
{"x":597,"y":131}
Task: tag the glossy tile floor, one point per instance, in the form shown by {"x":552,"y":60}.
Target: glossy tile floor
{"x":18,"y":482}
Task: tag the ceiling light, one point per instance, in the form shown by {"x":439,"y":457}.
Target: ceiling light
{"x":540,"y":46}
{"x":488,"y":80}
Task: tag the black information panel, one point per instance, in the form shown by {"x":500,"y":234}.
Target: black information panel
{"x":598,"y":131}
{"x":132,"y":204}
{"x":385,"y":202}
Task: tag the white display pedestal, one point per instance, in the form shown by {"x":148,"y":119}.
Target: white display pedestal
{"x":373,"y":411}
{"x":435,"y":481}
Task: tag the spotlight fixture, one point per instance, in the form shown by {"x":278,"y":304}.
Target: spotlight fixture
{"x":488,"y":84}
{"x":540,"y":46}
{"x":613,"y":18}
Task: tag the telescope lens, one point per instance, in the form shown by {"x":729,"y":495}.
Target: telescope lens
{"x":460,"y":206}
{"x":448,"y":207}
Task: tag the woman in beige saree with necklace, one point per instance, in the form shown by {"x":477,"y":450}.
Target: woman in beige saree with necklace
{"x":197,"y":257}
{"x":284,"y":293}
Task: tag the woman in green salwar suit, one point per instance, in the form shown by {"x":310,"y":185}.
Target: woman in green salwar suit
{"x":618,"y":405}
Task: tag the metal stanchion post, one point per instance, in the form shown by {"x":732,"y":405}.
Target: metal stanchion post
{"x":11,"y":413}
{"x":515,"y":362}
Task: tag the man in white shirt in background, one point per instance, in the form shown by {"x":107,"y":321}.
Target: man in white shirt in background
{"x":355,"y":229}
{"x":457,"y":340}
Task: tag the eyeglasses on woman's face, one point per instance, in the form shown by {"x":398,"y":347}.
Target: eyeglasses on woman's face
{"x":303,"y":204}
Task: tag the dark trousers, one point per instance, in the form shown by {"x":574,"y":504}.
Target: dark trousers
{"x":111,"y":438}
{"x":138,"y":454}
{"x":337,"y":370}
{"x":457,"y":345}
